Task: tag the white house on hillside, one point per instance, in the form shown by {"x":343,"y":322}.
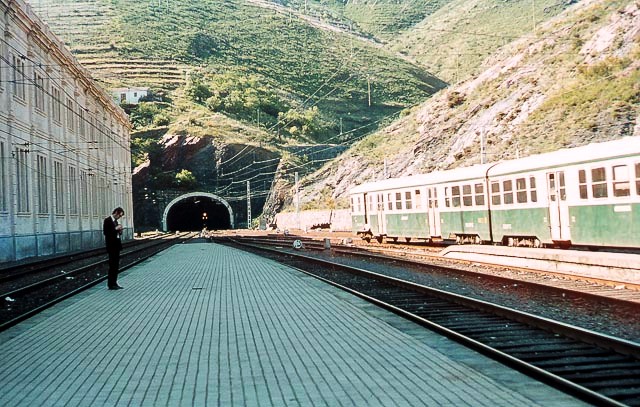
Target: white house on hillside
{"x":130,"y":96}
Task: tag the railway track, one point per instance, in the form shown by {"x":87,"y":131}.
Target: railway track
{"x":24,"y":293}
{"x":597,"y":368}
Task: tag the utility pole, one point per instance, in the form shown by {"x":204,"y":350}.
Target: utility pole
{"x":369,"y":89}
{"x":248,"y":205}
{"x":341,"y":126}
{"x":533,"y":14}
{"x":297,"y":200}
{"x":482,"y":152}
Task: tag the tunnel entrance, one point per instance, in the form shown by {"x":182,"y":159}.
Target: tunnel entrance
{"x":195,"y":211}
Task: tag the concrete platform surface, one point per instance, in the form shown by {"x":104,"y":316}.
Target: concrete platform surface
{"x":622,"y":267}
{"x":205,"y":325}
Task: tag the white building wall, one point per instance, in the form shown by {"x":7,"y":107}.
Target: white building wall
{"x":89,"y":138}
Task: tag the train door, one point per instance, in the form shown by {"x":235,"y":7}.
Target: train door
{"x":382,"y":227}
{"x":558,"y":208}
{"x":433,"y":213}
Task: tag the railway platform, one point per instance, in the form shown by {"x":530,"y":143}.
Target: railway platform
{"x":202,"y":324}
{"x":621,"y":267}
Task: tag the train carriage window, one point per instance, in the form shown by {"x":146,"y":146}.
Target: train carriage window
{"x":532,"y":189}
{"x":353,"y":207}
{"x":455,"y":196}
{"x":370,"y":202}
{"x":599,"y":182}
{"x":637,"y":178}
{"x":495,"y":193}
{"x":433,"y":197}
{"x":359,"y":201}
{"x":621,"y":185}
{"x":407,"y":200}
{"x":398,"y":200}
{"x":467,"y":197}
{"x":479,"y":197}
{"x":389,"y":201}
{"x":521,"y":190}
{"x":447,"y":197}
{"x":582,"y":184}
{"x":507,"y":189}
{"x":418,"y":199}
{"x":563,"y":190}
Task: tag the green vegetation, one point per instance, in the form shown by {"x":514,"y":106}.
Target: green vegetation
{"x":603,"y":99}
{"x":253,"y":60}
{"x":455,"y":39}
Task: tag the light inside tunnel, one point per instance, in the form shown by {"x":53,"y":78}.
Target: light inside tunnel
{"x":196,"y":213}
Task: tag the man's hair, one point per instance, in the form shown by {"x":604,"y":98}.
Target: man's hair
{"x":118,"y":210}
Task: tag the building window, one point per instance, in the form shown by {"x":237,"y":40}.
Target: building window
{"x":43,"y":189}
{"x":22,"y":179}
{"x":3,"y":179}
{"x":398,"y":200}
{"x":38,"y":91}
{"x":467,"y":196}
{"x":82,"y":126}
{"x":56,"y":104}
{"x":18,"y":78}
{"x":507,"y":192}
{"x":73,"y":190}
{"x":599,"y":182}
{"x":70,"y":114}
{"x":94,"y":193}
{"x":495,"y":193}
{"x":84,"y":193}
{"x":621,"y":184}
{"x":58,"y":176}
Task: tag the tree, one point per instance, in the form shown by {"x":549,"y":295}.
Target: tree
{"x":185,"y":179}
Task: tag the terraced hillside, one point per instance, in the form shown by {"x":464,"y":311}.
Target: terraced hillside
{"x":354,"y":84}
{"x":91,"y":29}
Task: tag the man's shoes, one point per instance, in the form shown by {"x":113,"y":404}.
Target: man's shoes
{"x":116,"y":287}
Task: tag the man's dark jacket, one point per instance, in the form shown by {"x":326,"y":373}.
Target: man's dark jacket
{"x":111,"y":235}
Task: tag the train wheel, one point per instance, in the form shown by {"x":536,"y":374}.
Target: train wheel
{"x":407,"y":239}
{"x":537,"y":243}
{"x":379,"y":239}
{"x":367,"y":238}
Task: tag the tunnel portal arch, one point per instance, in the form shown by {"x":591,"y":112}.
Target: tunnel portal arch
{"x":196,"y":194}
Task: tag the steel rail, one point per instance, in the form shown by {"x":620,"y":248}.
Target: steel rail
{"x":528,"y":343}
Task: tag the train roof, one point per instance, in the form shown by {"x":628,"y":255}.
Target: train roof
{"x":626,"y":146}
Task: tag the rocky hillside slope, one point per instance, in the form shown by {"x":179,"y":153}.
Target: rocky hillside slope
{"x":574,"y":81}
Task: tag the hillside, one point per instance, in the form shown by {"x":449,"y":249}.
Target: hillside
{"x":454,"y":40}
{"x":350,"y":80}
{"x":575,"y":81}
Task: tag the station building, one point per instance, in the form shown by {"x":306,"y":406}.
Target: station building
{"x":64,"y":145}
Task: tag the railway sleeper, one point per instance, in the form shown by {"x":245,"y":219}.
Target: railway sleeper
{"x":585,"y":369}
{"x":601,"y":354}
{"x":615,"y":377}
{"x":531,"y":346}
{"x":578,"y":360}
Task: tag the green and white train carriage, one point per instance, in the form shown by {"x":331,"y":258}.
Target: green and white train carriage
{"x":582,"y":196}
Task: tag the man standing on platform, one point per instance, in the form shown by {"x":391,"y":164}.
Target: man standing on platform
{"x":112,"y":232}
